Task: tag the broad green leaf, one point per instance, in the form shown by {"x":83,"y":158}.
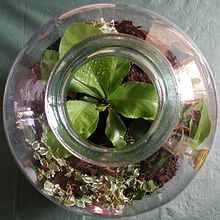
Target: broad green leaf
{"x":83,"y":116}
{"x":98,"y":74}
{"x":138,"y":194}
{"x":88,"y":99}
{"x":199,"y":132}
{"x":48,"y":60}
{"x":135,"y":100}
{"x":193,"y":127}
{"x":110,"y":71}
{"x":150,"y":186}
{"x":49,"y":139}
{"x":76,"y":33}
{"x":115,"y":129}
{"x":161,"y":160}
{"x":85,"y":81}
{"x":138,"y":128}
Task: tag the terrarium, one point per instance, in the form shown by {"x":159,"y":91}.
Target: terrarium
{"x":110,"y":110}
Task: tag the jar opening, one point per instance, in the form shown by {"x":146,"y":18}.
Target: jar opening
{"x":109,"y":96}
{"x":147,"y":58}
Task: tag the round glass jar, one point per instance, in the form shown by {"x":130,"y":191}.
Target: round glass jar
{"x":183,"y":129}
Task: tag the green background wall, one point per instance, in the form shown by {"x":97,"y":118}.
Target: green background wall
{"x":19,"y":19}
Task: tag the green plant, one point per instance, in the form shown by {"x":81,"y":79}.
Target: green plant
{"x":130,"y":99}
{"x":100,"y":83}
{"x":196,"y":119}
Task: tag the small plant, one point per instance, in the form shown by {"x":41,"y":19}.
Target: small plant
{"x":101,"y":80}
{"x":100,"y":85}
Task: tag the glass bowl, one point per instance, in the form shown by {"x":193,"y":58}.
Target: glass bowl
{"x":127,"y":181}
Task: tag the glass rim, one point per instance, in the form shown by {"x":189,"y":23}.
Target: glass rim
{"x":144,"y":55}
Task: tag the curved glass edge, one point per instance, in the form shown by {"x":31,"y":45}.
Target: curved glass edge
{"x":14,"y":148}
{"x":138,"y":51}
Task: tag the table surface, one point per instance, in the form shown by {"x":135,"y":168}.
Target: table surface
{"x":200,"y":19}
